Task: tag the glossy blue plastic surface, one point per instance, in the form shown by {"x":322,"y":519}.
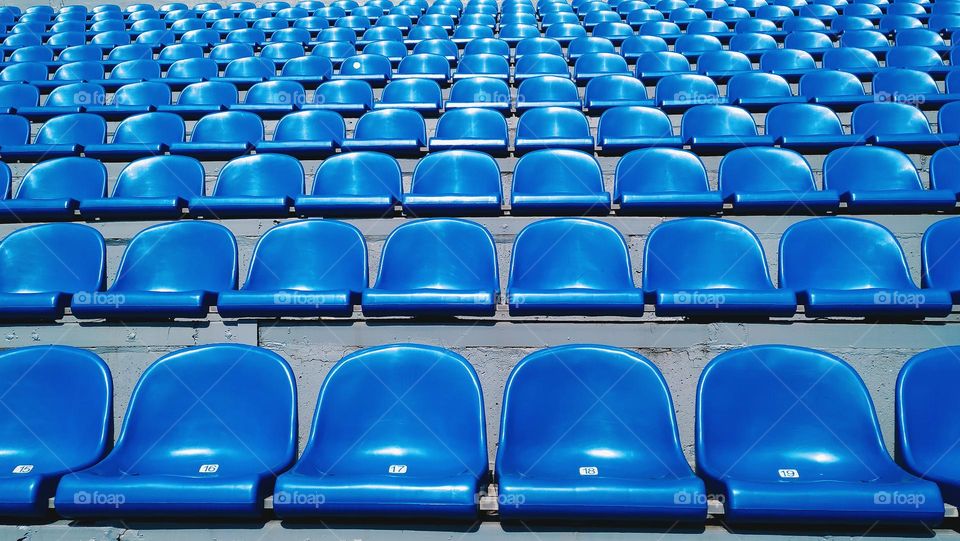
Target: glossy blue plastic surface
{"x":571,"y":266}
{"x":421,"y":95}
{"x":168,"y":270}
{"x":399,"y":432}
{"x":203,"y":98}
{"x":455,"y":272}
{"x":399,"y":132}
{"x":306,"y":135}
{"x":626,"y":449}
{"x":852,"y":267}
{"x":622,"y":129}
{"x":940,"y":257}
{"x":609,"y":91}
{"x":60,"y":137}
{"x":138,"y":136}
{"x":708,"y":267}
{"x":558,"y":181}
{"x":807,"y":127}
{"x":803,"y":446}
{"x":221,"y":136}
{"x":474,"y":128}
{"x":482,"y":92}
{"x":325,"y":277}
{"x":658,"y":181}
{"x":553,"y":127}
{"x":455,"y":183}
{"x":257,"y":186}
{"x":52,"y":190}
{"x":772,"y":181}
{"x":205,"y":433}
{"x":57,"y":419}
{"x":926,"y":428}
{"x":899,"y":126}
{"x":718,"y":128}
{"x":878,"y":179}
{"x":157,"y":187}
{"x":43,"y":265}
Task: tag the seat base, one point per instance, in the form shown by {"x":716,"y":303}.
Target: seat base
{"x":877,"y":302}
{"x":575,"y":302}
{"x":727,"y":302}
{"x":142,"y":304}
{"x":284,"y":303}
{"x":428,"y":302}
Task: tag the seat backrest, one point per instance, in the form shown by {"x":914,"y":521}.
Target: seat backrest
{"x":136,"y":69}
{"x":358,"y":174}
{"x":411,"y":91}
{"x":366,"y":64}
{"x":895,"y":82}
{"x":75,"y":94}
{"x":802,"y":119}
{"x":662,"y":61}
{"x":723,"y":61}
{"x":479,"y":89}
{"x":193,"y":68}
{"x":888,"y":117}
{"x":913,"y":56}
{"x":716,"y":121}
{"x":424,"y":63}
{"x":228,"y":127}
{"x":251,"y":67}
{"x":451,"y":254}
{"x":472,"y":123}
{"x":403,"y":124}
{"x":14,"y":130}
{"x":161,"y":176}
{"x":754,"y":435}
{"x":686,"y":87}
{"x":208,"y":93}
{"x":847,"y":58}
{"x":59,"y":403}
{"x":940,"y":255}
{"x":547,"y":88}
{"x":247,"y":421}
{"x":605,"y":62}
{"x":562,"y":253}
{"x":179,"y":256}
{"x":79,"y":71}
{"x":261,"y":175}
{"x":765,"y":169}
{"x":547,"y":122}
{"x":822,"y":83}
{"x":276,"y":93}
{"x":310,"y":126}
{"x":786,"y":59}
{"x":143,"y":93}
{"x":24,"y":72}
{"x":615,"y":87}
{"x":330,"y":256}
{"x":660,"y":170}
{"x":869,"y":168}
{"x":944,"y":169}
{"x":926,"y":431}
{"x":351,"y":429}
{"x":231,"y":51}
{"x":66,"y":258}
{"x":557,"y":171}
{"x":308,"y":66}
{"x":841,"y":253}
{"x":155,"y":127}
{"x":703,"y":253}
{"x":457,"y":172}
{"x":551,"y":426}
{"x":542,"y":64}
{"x":73,"y":178}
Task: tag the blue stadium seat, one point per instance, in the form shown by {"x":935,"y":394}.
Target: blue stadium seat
{"x":944,"y":168}
{"x":44,"y":265}
{"x":558,"y":181}
{"x":132,"y":99}
{"x":207,"y":97}
{"x":925,"y":430}
{"x":60,"y":137}
{"x":260,"y":186}
{"x":634,"y":46}
{"x":454,"y":274}
{"x":808,"y":128}
{"x":348,"y":98}
{"x":592,"y":65}
{"x":478,"y":129}
{"x":424,"y":66}
{"x":572,"y":266}
{"x":538,"y":45}
{"x":590,"y":46}
{"x":228,"y":52}
{"x":14,"y":130}
{"x":791,"y":64}
{"x":626,"y":128}
{"x":909,"y":86}
{"x":707,"y":267}
{"x":758,"y":92}
{"x":373,"y":69}
{"x":24,"y":72}
{"x":272,"y":99}
{"x":901,"y":126}
{"x":168,"y":271}
{"x":658,"y":181}
{"x":305,"y":134}
{"x":141,"y":135}
{"x":309,"y":71}
{"x":434,"y":467}
{"x":355,"y":184}
{"x":641,"y":468}
{"x":783,"y":478}
{"x":324,"y":279}
{"x":722,"y":65}
{"x":681,"y":91}
{"x":394,"y":51}
{"x":400,"y":132}
{"x":657,"y":64}
{"x":540,"y":64}
{"x":421,"y":95}
{"x":58,"y":420}
{"x":772,"y":181}
{"x":553,"y":127}
{"x":85,"y":71}
{"x":455,"y":183}
{"x":859,"y":62}
{"x":839,"y":90}
{"x":221,"y":136}
{"x":878,"y":179}
{"x":439,"y":45}
{"x":852,"y":267}
{"x":51,"y":190}
{"x":246,"y":427}
{"x":609,"y":91}
{"x":547,"y":91}
{"x":478,"y":92}
{"x":939,"y":254}
{"x":710,"y":129}
{"x":157,"y":187}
